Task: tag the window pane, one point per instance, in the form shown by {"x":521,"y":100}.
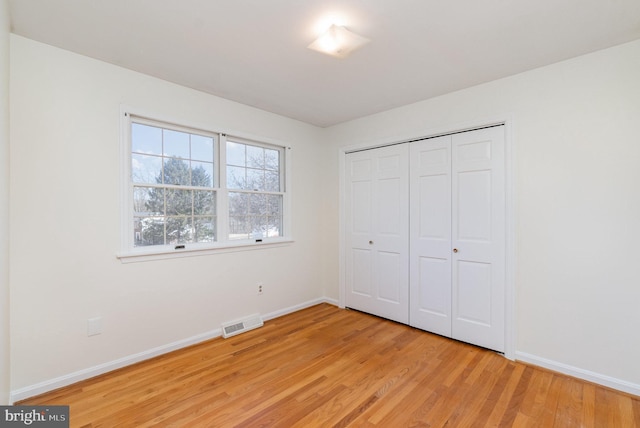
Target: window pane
{"x":204,"y":202}
{"x":257,"y":212}
{"x":235,"y":154}
{"x":176,"y":144}
{"x":179,"y":202}
{"x":146,"y":169}
{"x":274,"y":205}
{"x":179,"y":230}
{"x":140,"y":198}
{"x":274,"y":213}
{"x":201,"y":148}
{"x":258,"y":227}
{"x":274,"y":226}
{"x":255,"y":157}
{"x":238,"y":227}
{"x":202,"y":174}
{"x":148,"y":201}
{"x":271,"y":181}
{"x":176,"y":171}
{"x":238,"y":203}
{"x":272,"y":160}
{"x":257,"y":205}
{"x":255,"y":179}
{"x":146,"y":139}
{"x":204,"y":229}
{"x":236,"y":177}
{"x":148,"y":231}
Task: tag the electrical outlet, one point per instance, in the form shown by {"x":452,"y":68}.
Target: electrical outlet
{"x":260,"y":288}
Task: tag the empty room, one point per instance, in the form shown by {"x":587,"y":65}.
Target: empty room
{"x":320,"y":213}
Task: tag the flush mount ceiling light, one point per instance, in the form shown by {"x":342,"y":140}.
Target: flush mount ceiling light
{"x":338,"y":41}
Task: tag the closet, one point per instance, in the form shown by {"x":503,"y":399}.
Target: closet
{"x":425,"y":234}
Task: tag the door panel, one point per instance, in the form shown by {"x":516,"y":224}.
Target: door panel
{"x":361,"y":272}
{"x":478,"y":237}
{"x":361,"y":218}
{"x":388,"y":198}
{"x":434,"y":285}
{"x":473,"y":294}
{"x":473,"y":196}
{"x":430,"y":255}
{"x":377,"y":192}
{"x":434,"y":193}
{"x":390,"y":276}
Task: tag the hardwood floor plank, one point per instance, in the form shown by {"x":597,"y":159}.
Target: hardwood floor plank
{"x":469,"y":408}
{"x":512,"y":409}
{"x":625,"y":405}
{"x":588,"y":405}
{"x":413,"y":385}
{"x":534,"y":406}
{"x":426,"y":400}
{"x":445,"y":400}
{"x":550,"y":410}
{"x":569,"y":409}
{"x":327,"y":367}
{"x":635,"y":403}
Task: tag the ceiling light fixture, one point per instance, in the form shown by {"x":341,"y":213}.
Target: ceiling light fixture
{"x":338,"y":41}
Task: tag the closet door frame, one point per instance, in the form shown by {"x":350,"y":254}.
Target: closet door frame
{"x":510,"y":253}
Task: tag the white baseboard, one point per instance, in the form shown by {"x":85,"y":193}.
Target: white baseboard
{"x":80,"y":375}
{"x":296,"y":308}
{"x":608,"y":381}
{"x":333,"y":302}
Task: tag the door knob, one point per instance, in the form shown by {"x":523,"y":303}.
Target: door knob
{"x":370,"y":242}
{"x":455,"y":250}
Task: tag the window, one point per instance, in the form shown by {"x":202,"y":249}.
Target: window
{"x":172,"y":174}
{"x":190,"y":189}
{"x":255,"y":191}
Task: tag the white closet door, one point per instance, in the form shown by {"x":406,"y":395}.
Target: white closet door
{"x":457,"y":257}
{"x":430,"y":255}
{"x":478,"y":237}
{"x":377,"y":231}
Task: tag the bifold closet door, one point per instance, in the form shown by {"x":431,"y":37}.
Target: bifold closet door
{"x":430,"y":266}
{"x":457,"y":233}
{"x":376,"y":231}
{"x":478,"y":237}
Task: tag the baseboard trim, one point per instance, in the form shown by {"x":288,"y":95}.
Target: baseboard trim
{"x":296,"y":308}
{"x":80,"y":375}
{"x":608,"y":381}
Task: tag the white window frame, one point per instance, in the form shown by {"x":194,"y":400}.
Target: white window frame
{"x":224,"y":138}
{"x":129,"y":253}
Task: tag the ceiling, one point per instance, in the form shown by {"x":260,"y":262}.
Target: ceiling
{"x":254,"y":51}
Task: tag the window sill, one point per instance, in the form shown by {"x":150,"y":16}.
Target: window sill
{"x":147,"y":254}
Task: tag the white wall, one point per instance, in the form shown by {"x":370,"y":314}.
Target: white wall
{"x":4,"y":202}
{"x":65,"y":220}
{"x":577,"y":157}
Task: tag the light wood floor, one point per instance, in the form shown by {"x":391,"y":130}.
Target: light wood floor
{"x":324,"y":367}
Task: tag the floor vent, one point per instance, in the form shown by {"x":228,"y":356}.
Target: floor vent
{"x":236,"y":327}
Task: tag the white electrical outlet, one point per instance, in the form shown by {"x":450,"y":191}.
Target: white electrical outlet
{"x":260,"y":288}
{"x":94,"y":326}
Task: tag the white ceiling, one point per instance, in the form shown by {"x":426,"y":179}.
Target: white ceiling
{"x":254,"y":51}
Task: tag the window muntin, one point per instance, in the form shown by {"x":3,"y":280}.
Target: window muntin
{"x":173,"y":176}
{"x":254,"y":180}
